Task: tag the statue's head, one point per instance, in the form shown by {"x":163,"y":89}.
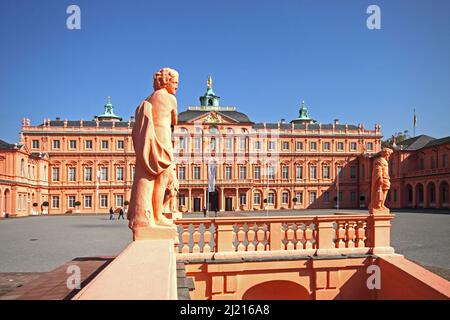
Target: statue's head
{"x":166,"y":78}
{"x":386,"y":153}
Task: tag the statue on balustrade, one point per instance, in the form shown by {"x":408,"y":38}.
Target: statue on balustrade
{"x":154,"y":174}
{"x":380,"y":183}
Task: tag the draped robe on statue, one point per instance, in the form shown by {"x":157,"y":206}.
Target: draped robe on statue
{"x":152,"y":158}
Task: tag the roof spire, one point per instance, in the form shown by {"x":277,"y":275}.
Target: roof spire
{"x":209,"y":81}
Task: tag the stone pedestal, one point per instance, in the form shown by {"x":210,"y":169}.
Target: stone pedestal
{"x":145,"y":270}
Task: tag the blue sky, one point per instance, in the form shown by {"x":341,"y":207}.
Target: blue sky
{"x":265,"y":58}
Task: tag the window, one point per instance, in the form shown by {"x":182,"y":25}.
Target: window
{"x":55,"y":174}
{"x":326,"y":172}
{"x":313,"y":172}
{"x":341,"y":196}
{"x":370,"y":146}
{"x":433,"y":162}
{"x":242,"y":172}
{"x":326,"y":146}
{"x":197,"y":173}
{"x":271,"y":172}
{"x":312,"y":197}
{"x":229,"y":144}
{"x":313,"y":146}
{"x":88,"y":174}
{"x":286,"y":145}
{"x":285,"y":197}
{"x":104,"y":201}
{"x":258,"y":145}
{"x":353,"y":146}
{"x":119,"y":174}
{"x":213,"y":144}
{"x":395,"y":195}
{"x":352,"y":172}
{"x":35,"y":144}
{"x":299,"y":196}
{"x":181,"y":200}
{"x":72,"y":144}
{"x":88,"y":201}
{"x":421,"y":164}
{"x":340,"y":146}
{"x":242,"y":144}
{"x":181,"y":143}
{"x":285,"y":172}
{"x":197,"y":144}
{"x":56,"y":144}
{"x":104,"y":173}
{"x":271,"y":145}
{"x":88,"y":144}
{"x":271,"y":198}
{"x":133,"y":171}
{"x":298,"y":172}
{"x":242,"y":199}
{"x":105,"y":144}
{"x":257,"y":198}
{"x":363,"y":171}
{"x":353,"y":196}
{"x":228,"y":173}
{"x":72,"y":174}
{"x":119,"y":200}
{"x":445,"y":161}
{"x":71,"y":201}
{"x":299,"y":145}
{"x":326,"y":196}
{"x":257,"y":173}
{"x":55,"y":202}
{"x":182,"y":173}
{"x":120,"y":144}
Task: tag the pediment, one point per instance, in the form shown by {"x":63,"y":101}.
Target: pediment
{"x":213,"y":117}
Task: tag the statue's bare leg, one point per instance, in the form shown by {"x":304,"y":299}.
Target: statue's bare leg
{"x":159,"y":192}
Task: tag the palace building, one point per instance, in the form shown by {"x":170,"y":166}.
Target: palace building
{"x":225,"y":162}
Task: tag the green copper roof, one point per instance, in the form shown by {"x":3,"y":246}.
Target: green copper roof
{"x":109,"y":112}
{"x":209,"y":98}
{"x":303,"y":112}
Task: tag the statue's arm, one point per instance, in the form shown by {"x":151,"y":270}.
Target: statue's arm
{"x":144,"y":136}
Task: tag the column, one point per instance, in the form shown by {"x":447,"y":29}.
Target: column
{"x":222,"y":200}
{"x":189,"y":202}
{"x":236,"y":205}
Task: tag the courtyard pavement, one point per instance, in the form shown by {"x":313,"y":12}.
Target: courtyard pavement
{"x":42,"y":243}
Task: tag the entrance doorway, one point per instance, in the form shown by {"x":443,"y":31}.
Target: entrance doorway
{"x":197,"y":206}
{"x":213,"y":202}
{"x":228,"y":204}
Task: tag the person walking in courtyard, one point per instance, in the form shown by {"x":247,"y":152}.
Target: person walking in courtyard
{"x":120,"y":214}
{"x":111,"y":213}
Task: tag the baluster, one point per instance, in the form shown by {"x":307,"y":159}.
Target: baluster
{"x":251,"y":235}
{"x":351,"y":234}
{"x":340,"y":235}
{"x":361,"y":234}
{"x":185,"y":240}
{"x":207,"y":239}
{"x":299,"y":236}
{"x":241,"y":237}
{"x":260,"y":238}
{"x":196,"y":240}
{"x":308,"y":236}
{"x":290,"y":237}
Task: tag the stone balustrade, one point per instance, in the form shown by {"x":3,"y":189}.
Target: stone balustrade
{"x":205,"y":238}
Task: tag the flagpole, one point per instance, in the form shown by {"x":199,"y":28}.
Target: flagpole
{"x":415,"y":121}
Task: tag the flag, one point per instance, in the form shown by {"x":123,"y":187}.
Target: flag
{"x":415,"y":118}
{"x":211,"y":177}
